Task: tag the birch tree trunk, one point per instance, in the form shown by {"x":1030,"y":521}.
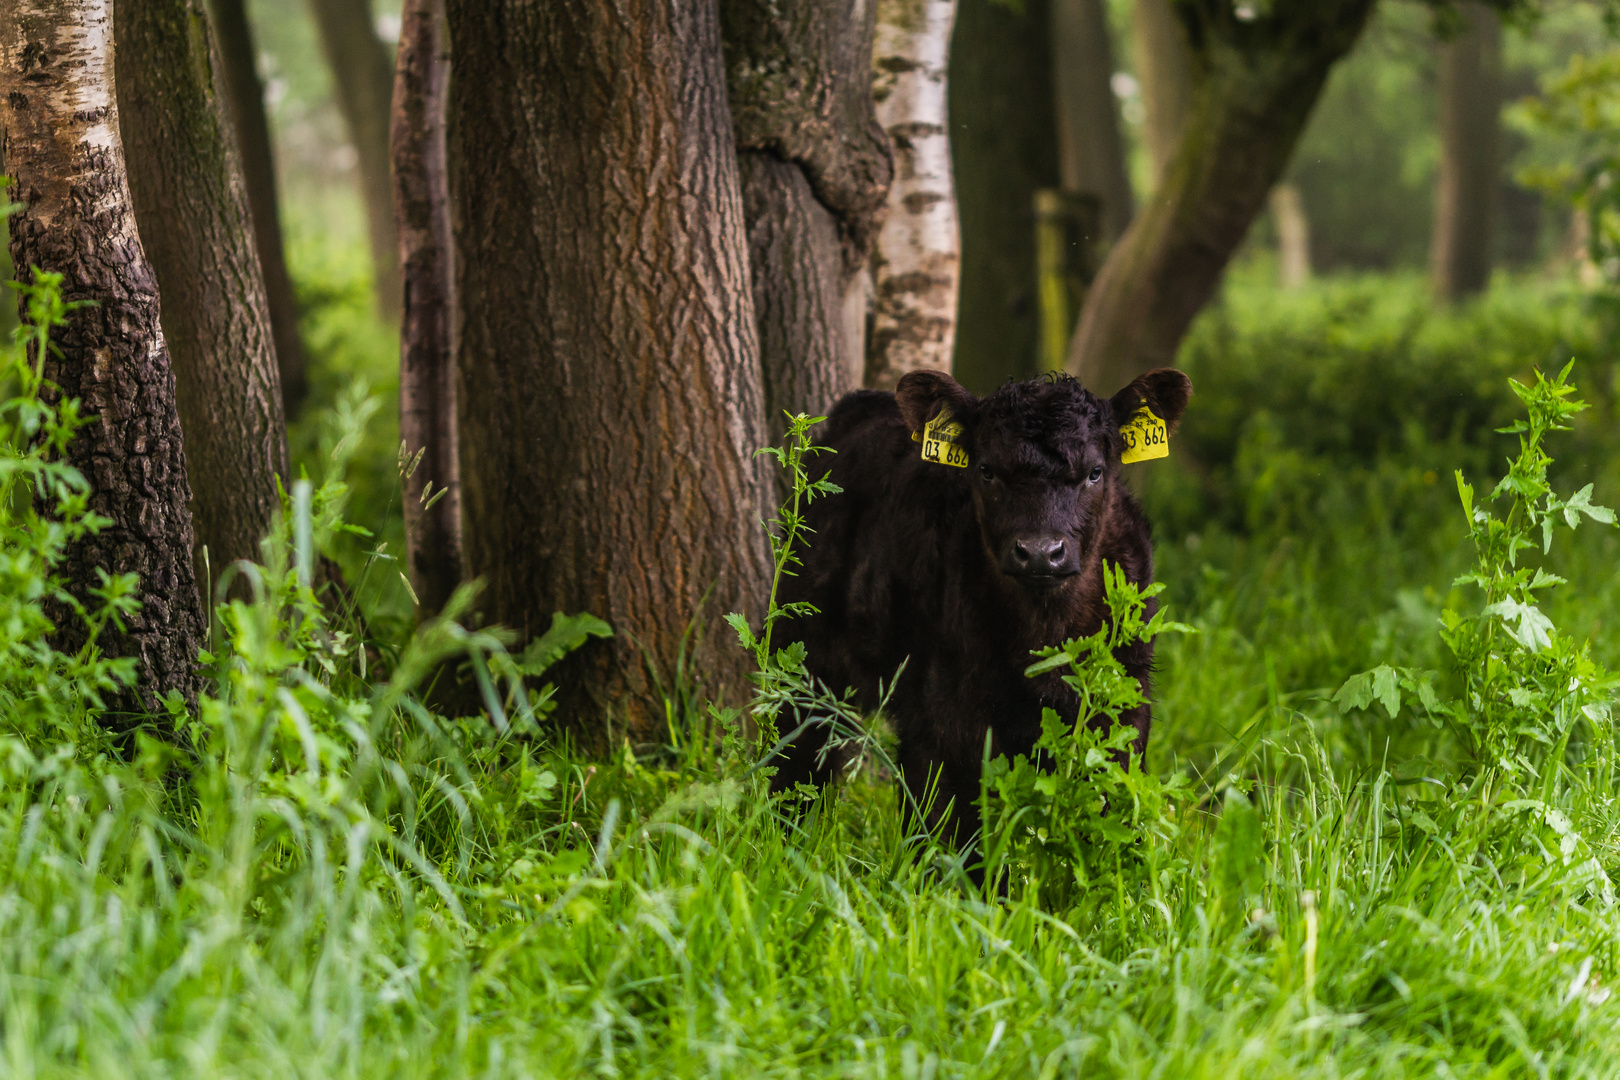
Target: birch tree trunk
{"x":608,"y":367}
{"x":239,"y":64}
{"x":917,"y":261}
{"x":60,"y":117}
{"x":427,"y":383}
{"x":192,"y":209}
{"x":1470,"y":141}
{"x":365,"y":90}
{"x":815,"y":168}
{"x":1091,"y":150}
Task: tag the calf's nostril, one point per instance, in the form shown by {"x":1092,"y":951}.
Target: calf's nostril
{"x":1055,"y":552}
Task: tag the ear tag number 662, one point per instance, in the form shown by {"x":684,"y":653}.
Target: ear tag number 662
{"x":942,"y":441}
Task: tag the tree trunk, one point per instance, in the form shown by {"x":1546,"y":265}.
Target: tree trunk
{"x":427,"y":374}
{"x":1164,"y":65}
{"x":1254,"y":84}
{"x":192,"y":210}
{"x":608,"y":368}
{"x":1003,"y":122}
{"x":915,"y":266}
{"x":239,"y":66}
{"x":1293,"y":236}
{"x":1470,"y":138}
{"x":365,"y":90}
{"x":62,"y":148}
{"x":816,"y":169}
{"x":1091,"y":152}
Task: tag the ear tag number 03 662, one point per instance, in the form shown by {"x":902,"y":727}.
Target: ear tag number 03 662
{"x":942,"y":441}
{"x":1146,"y":437}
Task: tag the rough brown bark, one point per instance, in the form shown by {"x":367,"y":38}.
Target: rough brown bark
{"x":1470,"y":141}
{"x":1003,"y":119}
{"x":364,"y":76}
{"x":608,"y":370}
{"x":239,"y":68}
{"x":1091,"y":151}
{"x":1164,"y":66}
{"x":62,"y":149}
{"x":427,"y":385}
{"x":816,"y":168}
{"x":1254,"y":84}
{"x":192,"y":210}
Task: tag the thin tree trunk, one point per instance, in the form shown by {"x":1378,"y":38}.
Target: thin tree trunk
{"x":608,"y":368}
{"x":916,"y":264}
{"x":1091,"y":151}
{"x":62,"y":148}
{"x":239,"y":66}
{"x":364,"y":76}
{"x":1255,"y":82}
{"x":1470,"y":141}
{"x":816,"y":168}
{"x":1002,"y":121}
{"x":427,"y":374}
{"x":192,"y":208}
{"x":1293,"y":236}
{"x":1164,"y":70}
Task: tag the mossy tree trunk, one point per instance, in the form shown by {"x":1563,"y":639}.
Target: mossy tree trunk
{"x":1004,"y":148}
{"x":816,"y":168}
{"x":59,"y":112}
{"x":239,"y":68}
{"x":192,"y":209}
{"x":364,"y":76}
{"x":1091,"y":150}
{"x":1164,"y":69}
{"x":608,"y":367}
{"x":1255,"y":81}
{"x":427,"y":384}
{"x":1470,"y":144}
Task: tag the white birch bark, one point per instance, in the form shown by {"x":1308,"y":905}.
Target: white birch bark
{"x":915,"y":263}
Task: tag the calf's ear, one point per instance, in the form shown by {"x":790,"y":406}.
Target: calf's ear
{"x":920,"y":392}
{"x":1164,"y":390}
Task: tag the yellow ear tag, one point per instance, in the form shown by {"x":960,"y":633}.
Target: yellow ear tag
{"x":942,"y":441}
{"x":1146,"y":437}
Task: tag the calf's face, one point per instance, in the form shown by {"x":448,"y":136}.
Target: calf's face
{"x":1044,"y":456}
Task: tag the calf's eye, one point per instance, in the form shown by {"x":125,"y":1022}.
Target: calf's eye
{"x":1096,"y":475}
{"x":986,"y":472}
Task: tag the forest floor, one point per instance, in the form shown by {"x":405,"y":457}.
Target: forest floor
{"x":348,"y":884}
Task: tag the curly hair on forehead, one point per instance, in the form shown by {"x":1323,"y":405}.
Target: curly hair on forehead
{"x":1050,"y":410}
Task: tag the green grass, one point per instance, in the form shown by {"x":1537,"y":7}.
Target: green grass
{"x":326,"y":879}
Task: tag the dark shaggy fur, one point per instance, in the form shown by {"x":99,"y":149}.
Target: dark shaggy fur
{"x":965,"y":571}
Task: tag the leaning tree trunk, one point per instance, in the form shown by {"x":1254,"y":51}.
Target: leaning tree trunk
{"x":365,"y":90}
{"x":1254,"y":84}
{"x":63,"y":152}
{"x":427,"y":373}
{"x":915,"y":266}
{"x":1470,"y":140}
{"x":1091,"y":151}
{"x":1164,"y":68}
{"x":815,"y":168}
{"x":608,"y":367}
{"x":239,"y":67}
{"x":192,"y":209}
{"x":1003,"y":122}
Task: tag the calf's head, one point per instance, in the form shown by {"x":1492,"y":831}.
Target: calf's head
{"x":1044,"y":456}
